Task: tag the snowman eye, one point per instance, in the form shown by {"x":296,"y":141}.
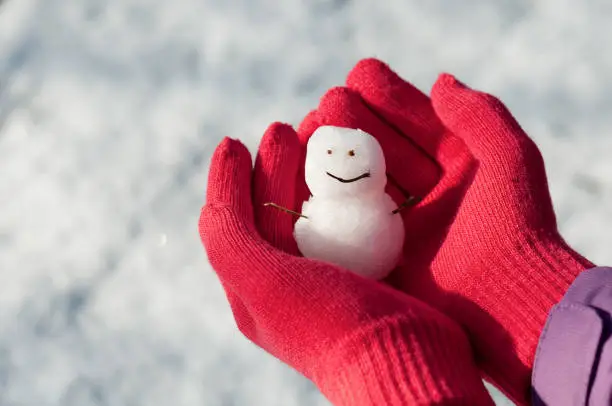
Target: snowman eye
{"x":329,"y":152}
{"x":351,"y":153}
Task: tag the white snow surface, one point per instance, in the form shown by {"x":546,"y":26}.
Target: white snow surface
{"x":110,"y":109}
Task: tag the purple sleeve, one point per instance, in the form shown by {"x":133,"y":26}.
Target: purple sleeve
{"x":573,"y":363}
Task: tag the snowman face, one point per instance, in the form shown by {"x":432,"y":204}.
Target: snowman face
{"x":343,"y":162}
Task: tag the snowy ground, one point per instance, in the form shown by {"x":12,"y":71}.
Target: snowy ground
{"x":109,"y":110}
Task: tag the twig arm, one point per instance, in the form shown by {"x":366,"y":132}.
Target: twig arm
{"x":412,"y":200}
{"x":286,"y":210}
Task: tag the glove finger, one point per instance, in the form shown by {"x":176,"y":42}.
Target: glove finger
{"x":229,"y":178}
{"x":274,"y":181}
{"x":398,"y":103}
{"x":481,"y":120}
{"x":308,"y":126}
{"x":305,"y":130}
{"x":410,"y":166}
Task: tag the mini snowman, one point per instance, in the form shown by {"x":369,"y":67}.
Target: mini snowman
{"x":349,"y":220}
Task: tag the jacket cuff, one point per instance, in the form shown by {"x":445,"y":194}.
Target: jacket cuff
{"x":573,"y":361}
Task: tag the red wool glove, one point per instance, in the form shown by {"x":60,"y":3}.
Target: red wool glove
{"x":362,"y":343}
{"x":483,"y":245}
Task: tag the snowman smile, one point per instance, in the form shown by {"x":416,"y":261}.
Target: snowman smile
{"x":365,"y":175}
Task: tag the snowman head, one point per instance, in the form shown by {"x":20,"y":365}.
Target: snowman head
{"x":343,"y":162}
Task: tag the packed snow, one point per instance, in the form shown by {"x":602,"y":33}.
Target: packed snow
{"x":109,"y":112}
{"x":349,"y":220}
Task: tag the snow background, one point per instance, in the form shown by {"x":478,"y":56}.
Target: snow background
{"x":110,"y":109}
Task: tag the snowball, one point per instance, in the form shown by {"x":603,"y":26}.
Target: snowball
{"x":349,"y":216}
{"x":336,"y":156}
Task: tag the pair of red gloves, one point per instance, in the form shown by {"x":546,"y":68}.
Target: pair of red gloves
{"x":483,"y":260}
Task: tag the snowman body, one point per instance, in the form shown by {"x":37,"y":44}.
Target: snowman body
{"x":349,"y":218}
{"x":363,"y":235}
